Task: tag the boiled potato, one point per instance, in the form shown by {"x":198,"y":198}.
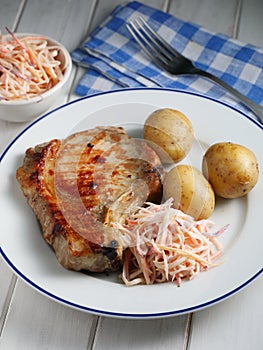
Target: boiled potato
{"x":231,"y":169}
{"x":170,"y":134}
{"x":190,"y":191}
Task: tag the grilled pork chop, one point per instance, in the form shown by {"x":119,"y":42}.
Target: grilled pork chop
{"x":78,"y":187}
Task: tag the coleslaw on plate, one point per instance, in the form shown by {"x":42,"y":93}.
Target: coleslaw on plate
{"x":164,"y":244}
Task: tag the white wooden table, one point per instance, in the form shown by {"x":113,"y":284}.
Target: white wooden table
{"x":28,"y":320}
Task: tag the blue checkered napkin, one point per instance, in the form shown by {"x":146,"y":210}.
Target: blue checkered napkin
{"x":116,"y":61}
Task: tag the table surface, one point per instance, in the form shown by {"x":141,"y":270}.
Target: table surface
{"x":29,"y":320}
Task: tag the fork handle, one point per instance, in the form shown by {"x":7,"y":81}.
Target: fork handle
{"x":254,"y":107}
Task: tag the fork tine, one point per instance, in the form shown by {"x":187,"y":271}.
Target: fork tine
{"x":149,"y":40}
{"x":145,"y":44}
{"x":162,"y":44}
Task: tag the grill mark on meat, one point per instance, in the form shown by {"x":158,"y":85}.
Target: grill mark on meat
{"x":78,"y":186}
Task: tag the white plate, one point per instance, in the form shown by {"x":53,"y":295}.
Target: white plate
{"x":24,"y":249}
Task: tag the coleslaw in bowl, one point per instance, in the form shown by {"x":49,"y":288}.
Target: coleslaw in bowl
{"x":33,"y":71}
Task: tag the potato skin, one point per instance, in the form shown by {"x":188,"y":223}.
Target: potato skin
{"x":170,"y":133}
{"x":190,"y":190}
{"x":232,"y":169}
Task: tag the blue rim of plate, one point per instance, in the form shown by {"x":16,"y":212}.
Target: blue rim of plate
{"x":112,"y":313}
{"x":128,"y":315}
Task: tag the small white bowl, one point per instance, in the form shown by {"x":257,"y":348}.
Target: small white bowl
{"x":29,"y":109}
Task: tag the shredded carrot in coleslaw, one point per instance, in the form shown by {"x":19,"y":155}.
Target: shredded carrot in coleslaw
{"x":28,"y":67}
{"x":167,"y":245}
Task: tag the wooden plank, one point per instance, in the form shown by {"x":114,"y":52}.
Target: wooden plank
{"x":217,"y":16}
{"x":36,"y":322}
{"x":251,"y":23}
{"x":7,"y":283}
{"x":66,"y":21}
{"x":141,"y":334}
{"x":104,"y":8}
{"x":232,"y":324}
{"x":10,"y":131}
{"x":8,"y":16}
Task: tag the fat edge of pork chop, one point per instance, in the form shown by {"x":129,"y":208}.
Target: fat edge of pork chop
{"x":78,"y":186}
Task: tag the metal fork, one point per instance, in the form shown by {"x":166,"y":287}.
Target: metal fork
{"x":172,"y":61}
